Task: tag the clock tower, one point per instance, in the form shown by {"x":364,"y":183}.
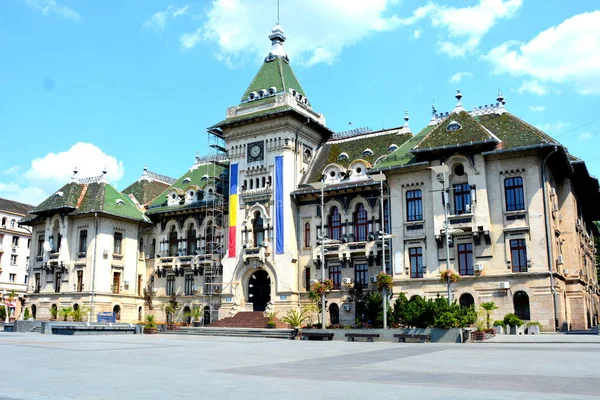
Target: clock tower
{"x":271,"y":137}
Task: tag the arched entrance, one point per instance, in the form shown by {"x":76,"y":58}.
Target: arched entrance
{"x":334,"y":314}
{"x":140,"y":316}
{"x":33,"y":311}
{"x":206,"y":315}
{"x":186,"y":315}
{"x":117,"y":312}
{"x":259,"y":290}
{"x":466,"y":300}
{"x":521,"y":303}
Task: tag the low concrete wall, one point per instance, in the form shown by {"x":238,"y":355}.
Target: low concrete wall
{"x":26,"y":326}
{"x":82,"y":328}
{"x":453,"y":335}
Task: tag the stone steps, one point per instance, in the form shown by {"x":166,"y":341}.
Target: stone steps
{"x":237,"y":332}
{"x":247,"y":319}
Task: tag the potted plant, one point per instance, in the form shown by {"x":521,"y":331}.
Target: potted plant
{"x":499,"y":326}
{"x":195,"y":315}
{"x":150,"y":325}
{"x":384,"y":281}
{"x":533,"y":328}
{"x":65,"y":312}
{"x":170,"y":311}
{"x":488,"y":307}
{"x":295,"y":320}
{"x":53,"y":312}
{"x":449,"y":276}
{"x":271,"y":323}
{"x":79,"y":314}
{"x":513,"y":322}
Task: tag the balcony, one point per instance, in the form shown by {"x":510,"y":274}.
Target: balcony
{"x":257,"y":194}
{"x":254,"y":253}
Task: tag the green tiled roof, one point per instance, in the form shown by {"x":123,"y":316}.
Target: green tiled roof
{"x":145,"y":190}
{"x":261,"y":113}
{"x":471,"y":132}
{"x":65,"y":197}
{"x":513,"y":131}
{"x":276,"y":73}
{"x":354,"y":147}
{"x":195,"y":175}
{"x":403,"y":156}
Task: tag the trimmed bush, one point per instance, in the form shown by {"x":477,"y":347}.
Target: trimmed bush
{"x":512,"y":320}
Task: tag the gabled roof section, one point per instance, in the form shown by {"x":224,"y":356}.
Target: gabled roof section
{"x":148,"y":187}
{"x":14,"y":207}
{"x":274,"y":73}
{"x":354,"y":146}
{"x":403,"y":156}
{"x":513,"y":131}
{"x":65,"y":197}
{"x":457,"y":130}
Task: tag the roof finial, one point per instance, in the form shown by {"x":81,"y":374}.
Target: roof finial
{"x":500,"y":98}
{"x":197,"y":156}
{"x":458,"y":107}
{"x":434,"y":117}
{"x":277,"y":38}
{"x":500,"y":109}
{"x":103,"y":177}
{"x":74,"y":177}
{"x":406,"y":118}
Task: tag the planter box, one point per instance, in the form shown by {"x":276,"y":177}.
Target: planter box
{"x":533,"y":330}
{"x":499,"y":329}
{"x":150,"y":331}
{"x":517,"y":330}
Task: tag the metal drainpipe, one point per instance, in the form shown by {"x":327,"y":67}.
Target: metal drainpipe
{"x":549,"y":240}
{"x":93,"y":294}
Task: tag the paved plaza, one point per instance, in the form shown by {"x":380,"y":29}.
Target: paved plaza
{"x":35,"y":366}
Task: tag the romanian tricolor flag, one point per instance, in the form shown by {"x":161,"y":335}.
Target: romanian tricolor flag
{"x":233,"y":207}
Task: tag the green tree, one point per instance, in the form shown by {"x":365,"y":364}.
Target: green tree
{"x":65,"y":312}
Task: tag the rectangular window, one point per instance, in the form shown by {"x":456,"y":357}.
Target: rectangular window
{"x":307,"y":279}
{"x":26,"y":280}
{"x":189,"y":284}
{"x":518,"y":255}
{"x":28,"y":243}
{"x":40,"y":246}
{"x":37,"y":283}
{"x":465,"y":259}
{"x":116,"y":287}
{"x":80,"y":281}
{"x":462,"y":198}
{"x":13,"y":259}
{"x":513,"y":190}
{"x":170,"y":285}
{"x":335,"y":274}
{"x":361,"y":274}
{"x":414,"y":205}
{"x":83,"y":241}
{"x":15,"y":241}
{"x":416,"y":262}
{"x":307,"y":234}
{"x":118,"y":240}
{"x":57,"y":278}
{"x":12,"y":278}
{"x":139,"y":285}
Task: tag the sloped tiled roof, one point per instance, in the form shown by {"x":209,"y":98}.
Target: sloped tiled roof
{"x":513,"y":131}
{"x":403,"y":156}
{"x":378,"y":142}
{"x":65,"y":197}
{"x":471,"y":132}
{"x":14,"y":207}
{"x":277,"y":73}
{"x":148,"y":187}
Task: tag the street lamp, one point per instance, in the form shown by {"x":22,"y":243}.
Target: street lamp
{"x":381,"y":178}
{"x":321,"y":186}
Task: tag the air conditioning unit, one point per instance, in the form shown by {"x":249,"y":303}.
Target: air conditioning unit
{"x":313,"y":281}
{"x":467,"y":208}
{"x":373,"y":279}
{"x":560,"y":260}
{"x":346,"y":281}
{"x":478,"y":267}
{"x":154,"y":289}
{"x":347,"y":307}
{"x":504,"y":285}
{"x":194,"y":288}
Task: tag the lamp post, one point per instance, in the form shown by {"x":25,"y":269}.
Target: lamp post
{"x":321,"y":185}
{"x":381,"y":178}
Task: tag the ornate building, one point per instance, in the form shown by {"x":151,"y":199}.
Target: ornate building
{"x":481,"y":193}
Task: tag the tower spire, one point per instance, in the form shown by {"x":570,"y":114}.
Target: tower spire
{"x":277,"y":38}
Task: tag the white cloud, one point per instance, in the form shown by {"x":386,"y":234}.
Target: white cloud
{"x":417,"y":33}
{"x":537,"y":108}
{"x":159,"y":20}
{"x":48,"y":7}
{"x":317,"y":30}
{"x":459,"y":76}
{"x":50,"y":172}
{"x":12,"y":170}
{"x":533,"y":87}
{"x":568,"y":53}
{"x":465,"y":26}
{"x":585,"y":136}
{"x":552,"y":127}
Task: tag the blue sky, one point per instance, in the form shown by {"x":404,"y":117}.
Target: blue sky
{"x":126,"y":83}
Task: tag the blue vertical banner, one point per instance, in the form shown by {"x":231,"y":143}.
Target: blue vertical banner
{"x":279,"y":229}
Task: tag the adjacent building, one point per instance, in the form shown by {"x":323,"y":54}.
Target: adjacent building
{"x":478,"y":193}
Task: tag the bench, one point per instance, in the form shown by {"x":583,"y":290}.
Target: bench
{"x":368,"y":336}
{"x":403,"y":336}
{"x":317,"y":336}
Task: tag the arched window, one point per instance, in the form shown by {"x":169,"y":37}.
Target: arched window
{"x":34,"y":311}
{"x":334,"y":314}
{"x":206,"y":315}
{"x":466,"y":300}
{"x":251,"y":184}
{"x":153,"y":248}
{"x":335,"y":224}
{"x":521,"y":303}
{"x":257,"y":183}
{"x":191,"y":241}
{"x":307,"y":234}
{"x":258,"y":229}
{"x":117,"y":312}
{"x":209,"y":237}
{"x":360,"y":223}
{"x":173,"y":242}
{"x":245,"y":185}
{"x":187,"y":319}
{"x":12,"y":223}
{"x":264,"y":181}
{"x":4,"y":221}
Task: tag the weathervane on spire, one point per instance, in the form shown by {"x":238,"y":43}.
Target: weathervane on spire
{"x":277,"y":12}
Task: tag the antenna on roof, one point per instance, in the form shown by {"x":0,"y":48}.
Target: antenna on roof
{"x":277,"y":12}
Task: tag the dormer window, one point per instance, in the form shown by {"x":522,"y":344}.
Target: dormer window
{"x":393,"y":147}
{"x":120,"y":202}
{"x":187,"y":180}
{"x":252,"y":96}
{"x":343,"y":156}
{"x":367,"y":152}
{"x":58,"y":194}
{"x":272,"y":91}
{"x":453,"y":126}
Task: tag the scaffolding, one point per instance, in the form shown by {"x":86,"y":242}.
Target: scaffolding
{"x":218,"y":176}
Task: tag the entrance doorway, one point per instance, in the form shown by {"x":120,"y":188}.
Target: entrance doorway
{"x":206,"y":315}
{"x":117,"y":312}
{"x":259,"y":290}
